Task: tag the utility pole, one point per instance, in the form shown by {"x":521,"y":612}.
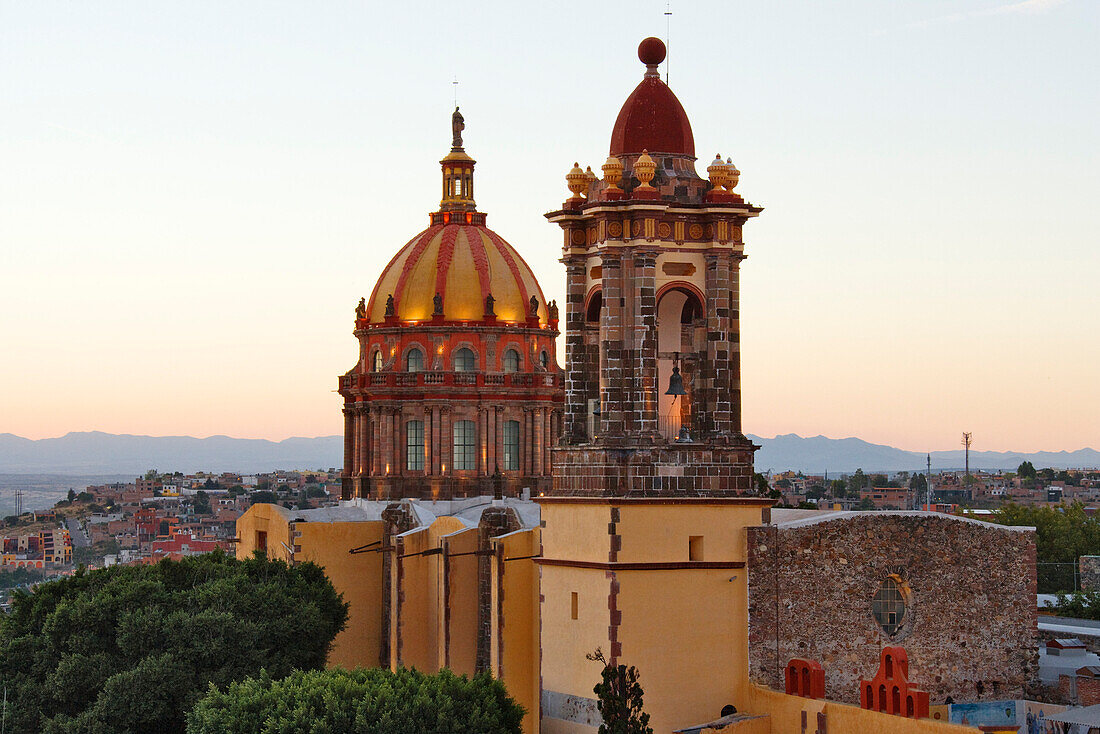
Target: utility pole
{"x":928,"y":478}
{"x":966,"y":444}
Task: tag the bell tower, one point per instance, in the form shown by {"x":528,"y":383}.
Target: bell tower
{"x":653,"y":255}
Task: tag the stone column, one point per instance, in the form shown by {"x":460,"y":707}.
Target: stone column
{"x":613,"y":368}
{"x":715,"y":398}
{"x":429,"y":461}
{"x":735,"y":343}
{"x":376,"y":441}
{"x":548,"y":433}
{"x":644,"y":346}
{"x":362,"y":462}
{"x":350,"y":423}
{"x":446,"y":441}
{"x":576,"y":412}
{"x":498,"y":436}
{"x":539,"y":441}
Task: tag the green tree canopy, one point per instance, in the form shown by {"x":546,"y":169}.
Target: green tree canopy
{"x":1062,"y":534}
{"x":857,"y":481}
{"x":1026,"y":470}
{"x":373,"y":701}
{"x":129,"y":649}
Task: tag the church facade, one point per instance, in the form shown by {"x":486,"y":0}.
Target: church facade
{"x":641,"y":540}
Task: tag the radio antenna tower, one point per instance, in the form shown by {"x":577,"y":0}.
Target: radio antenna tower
{"x":928,"y":479}
{"x":966,"y":444}
{"x":668,"y":36}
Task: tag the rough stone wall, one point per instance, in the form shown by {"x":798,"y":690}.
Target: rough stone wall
{"x":654,"y":471}
{"x":1089,"y":567}
{"x":970,"y":623}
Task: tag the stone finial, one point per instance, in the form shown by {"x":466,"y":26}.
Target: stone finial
{"x":716,"y":171}
{"x":645,"y":168}
{"x":732,"y":176}
{"x":577,"y":181}
{"x":612,"y":172}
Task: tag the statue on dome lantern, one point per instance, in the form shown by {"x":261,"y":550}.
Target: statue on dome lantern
{"x":361,"y":309}
{"x":553,"y":310}
{"x":458,"y":124}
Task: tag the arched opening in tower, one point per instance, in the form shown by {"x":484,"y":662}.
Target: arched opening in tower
{"x":681,"y":339}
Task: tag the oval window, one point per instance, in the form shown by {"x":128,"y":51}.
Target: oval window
{"x":888,"y":604}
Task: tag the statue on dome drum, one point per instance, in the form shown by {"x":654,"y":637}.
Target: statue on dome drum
{"x":534,"y":307}
{"x":552,"y":309}
{"x":361,"y":309}
{"x":458,"y":124}
{"x":391,"y":310}
{"x":437,"y":305}
{"x":490,"y":302}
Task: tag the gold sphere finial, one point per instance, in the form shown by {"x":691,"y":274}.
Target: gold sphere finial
{"x":645,"y":168}
{"x":576,"y":180}
{"x":612,"y":172}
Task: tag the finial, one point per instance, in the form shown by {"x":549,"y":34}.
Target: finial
{"x":589,"y":176}
{"x":577,"y":181}
{"x":651,"y":52}
{"x":717,"y":172}
{"x":645,"y":168}
{"x":612,"y":172}
{"x":732,"y":176}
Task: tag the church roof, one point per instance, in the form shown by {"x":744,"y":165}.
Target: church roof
{"x":652,"y":118}
{"x":463,"y":263}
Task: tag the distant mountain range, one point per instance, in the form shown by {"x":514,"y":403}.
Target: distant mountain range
{"x":105,"y":453}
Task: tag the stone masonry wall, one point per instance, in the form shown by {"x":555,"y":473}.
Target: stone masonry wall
{"x":970,"y":622}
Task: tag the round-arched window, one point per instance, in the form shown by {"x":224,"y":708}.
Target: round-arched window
{"x":511,"y":360}
{"x":888,"y":604}
{"x":376,"y":363}
{"x":414,"y":360}
{"x":464,"y":360}
{"x":544,"y":359}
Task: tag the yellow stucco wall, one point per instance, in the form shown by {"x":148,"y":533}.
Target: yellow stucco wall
{"x":358,"y":577}
{"x":460,"y":622}
{"x":515,"y":601}
{"x":413,"y":628}
{"x":263,"y":518}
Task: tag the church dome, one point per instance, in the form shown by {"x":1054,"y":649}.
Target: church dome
{"x":464,"y":264}
{"x":652,"y":118}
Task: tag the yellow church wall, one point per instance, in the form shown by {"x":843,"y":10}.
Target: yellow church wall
{"x":515,"y":636}
{"x":271,"y":520}
{"x":785,"y":713}
{"x":661,"y":532}
{"x":413,"y":630}
{"x":358,"y":577}
{"x":685,"y":632}
{"x":459,"y":623}
{"x":579,"y":531}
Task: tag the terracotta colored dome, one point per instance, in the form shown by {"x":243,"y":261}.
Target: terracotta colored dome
{"x":464,"y":263}
{"x":652,"y":118}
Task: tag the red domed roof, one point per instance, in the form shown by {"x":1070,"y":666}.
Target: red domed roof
{"x":652,"y":118}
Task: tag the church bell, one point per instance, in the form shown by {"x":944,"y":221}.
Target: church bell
{"x":675,"y":383}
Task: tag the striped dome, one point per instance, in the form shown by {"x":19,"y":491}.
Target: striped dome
{"x":464,"y":264}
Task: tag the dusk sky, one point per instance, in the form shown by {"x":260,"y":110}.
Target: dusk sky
{"x":194,"y":195}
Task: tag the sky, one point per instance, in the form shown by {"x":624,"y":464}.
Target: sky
{"x":194,"y":195}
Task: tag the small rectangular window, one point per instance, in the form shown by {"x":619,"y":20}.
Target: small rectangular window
{"x":695,"y":548}
{"x":261,"y":541}
{"x":573,"y":605}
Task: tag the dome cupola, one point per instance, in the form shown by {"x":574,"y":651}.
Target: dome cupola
{"x":652,"y":119}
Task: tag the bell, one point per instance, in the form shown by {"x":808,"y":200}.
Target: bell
{"x":675,"y":383}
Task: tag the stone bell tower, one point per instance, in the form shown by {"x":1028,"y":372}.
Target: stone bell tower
{"x":653,"y":254}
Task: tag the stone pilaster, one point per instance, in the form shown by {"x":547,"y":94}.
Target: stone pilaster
{"x":643,"y":419}
{"x":614,"y":368}
{"x":576,"y":408}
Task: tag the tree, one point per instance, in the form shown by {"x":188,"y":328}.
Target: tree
{"x":151,"y":474}
{"x":131,"y":648}
{"x":201,"y":503}
{"x":761,"y":483}
{"x":838,"y":488}
{"x":1046,"y":474}
{"x":365,"y":701}
{"x":264,"y":496}
{"x":619,"y":699}
{"x":1069,"y":479}
{"x":919,"y":484}
{"x":1062,"y":535}
{"x":856,"y":482}
{"x":865,"y":504}
{"x":1026,"y":470}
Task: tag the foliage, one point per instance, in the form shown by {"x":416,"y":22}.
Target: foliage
{"x":838,"y":488}
{"x":130,"y":648}
{"x":619,"y":699}
{"x":919,"y":483}
{"x":235,"y":490}
{"x":761,"y":483}
{"x":1062,"y":534}
{"x":374,"y":701}
{"x":315,"y":490}
{"x":264,"y":496}
{"x":857,"y":481}
{"x":13,"y":577}
{"x":866,"y":504}
{"x":201,"y":503}
{"x":72,"y":495}
{"x":1078,"y":605}
{"x":1026,"y":470}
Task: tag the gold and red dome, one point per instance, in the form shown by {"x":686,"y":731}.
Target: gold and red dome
{"x":464,"y":264}
{"x":652,"y":118}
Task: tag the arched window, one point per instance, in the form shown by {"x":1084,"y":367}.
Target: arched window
{"x":888,"y":605}
{"x":465,"y":446}
{"x":511,"y":445}
{"x":414,"y":445}
{"x":464,"y":360}
{"x":414,"y":360}
{"x":544,"y":359}
{"x":511,"y":360}
{"x":376,"y":363}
